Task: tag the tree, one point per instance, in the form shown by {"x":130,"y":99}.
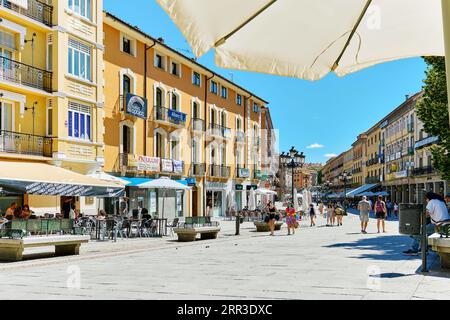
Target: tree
{"x":432,"y":110}
{"x":319,"y":177}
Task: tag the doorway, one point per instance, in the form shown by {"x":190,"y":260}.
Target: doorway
{"x":195,"y":202}
{"x":214,"y":203}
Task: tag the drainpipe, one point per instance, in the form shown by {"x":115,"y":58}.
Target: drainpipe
{"x":207,"y":79}
{"x":147,"y":48}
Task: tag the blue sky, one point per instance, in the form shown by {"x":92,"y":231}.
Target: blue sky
{"x":329,"y":113}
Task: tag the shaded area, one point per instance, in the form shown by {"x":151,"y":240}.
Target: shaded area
{"x":384,"y":247}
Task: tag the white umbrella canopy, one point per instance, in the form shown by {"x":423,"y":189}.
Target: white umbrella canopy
{"x":308,"y":39}
{"x":164,"y":183}
{"x":107,"y":177}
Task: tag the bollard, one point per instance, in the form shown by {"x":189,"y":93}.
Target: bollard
{"x":238,"y":224}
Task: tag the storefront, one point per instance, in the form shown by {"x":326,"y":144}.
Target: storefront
{"x":215,"y":198}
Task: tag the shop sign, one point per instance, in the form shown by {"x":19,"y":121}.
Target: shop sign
{"x":191,"y":182}
{"x":166,"y":165}
{"x":177,"y":166}
{"x":239,"y":187}
{"x":176,"y":115}
{"x":243,"y":173}
{"x":136,"y":106}
{"x":215,"y":185}
{"x":149,"y":163}
{"x":401,"y":174}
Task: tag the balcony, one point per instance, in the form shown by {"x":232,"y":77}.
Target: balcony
{"x":372,"y":162}
{"x":170,"y":116}
{"x":198,"y":169}
{"x":197,"y":125}
{"x":23,"y":74}
{"x":372,"y":180}
{"x":36,"y":10}
{"x":357,"y":170}
{"x":423,"y":171}
{"x":218,"y":171}
{"x":21,"y":143}
{"x":219,"y":131}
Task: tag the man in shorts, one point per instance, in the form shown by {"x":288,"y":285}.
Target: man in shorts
{"x":364,"y":208}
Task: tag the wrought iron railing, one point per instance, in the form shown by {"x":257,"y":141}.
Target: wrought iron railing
{"x":423,"y":170}
{"x":21,"y":143}
{"x":219,"y":171}
{"x":198,"y":169}
{"x":20,"y":73}
{"x":170,"y":116}
{"x":218,"y":130}
{"x":197,"y":124}
{"x":35,"y":10}
{"x":372,"y":180}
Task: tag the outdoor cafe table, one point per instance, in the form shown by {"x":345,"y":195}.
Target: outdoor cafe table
{"x":161,"y":226}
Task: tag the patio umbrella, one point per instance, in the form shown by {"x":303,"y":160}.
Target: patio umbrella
{"x":231,"y":201}
{"x":164,"y":184}
{"x":308,"y":39}
{"x":110,"y":178}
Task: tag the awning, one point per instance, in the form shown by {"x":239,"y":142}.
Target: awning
{"x":44,"y":179}
{"x":356,"y":192}
{"x":136,"y":182}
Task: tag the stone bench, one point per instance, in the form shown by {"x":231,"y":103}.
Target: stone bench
{"x":12,"y":249}
{"x":190,"y":234}
{"x":264,"y":227}
{"x":442,"y":246}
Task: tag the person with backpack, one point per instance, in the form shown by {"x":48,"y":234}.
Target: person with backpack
{"x":380,"y":213}
{"x":364,"y":208}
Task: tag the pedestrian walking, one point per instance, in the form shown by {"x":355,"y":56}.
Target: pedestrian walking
{"x":380,"y":213}
{"x":329,"y":215}
{"x":389,"y":208}
{"x":272,"y":211}
{"x":364,"y":208}
{"x":312,"y":215}
{"x":290,"y":219}
{"x":396,"y":209}
{"x":339,"y":214}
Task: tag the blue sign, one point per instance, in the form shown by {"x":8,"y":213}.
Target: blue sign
{"x":191,"y":181}
{"x":136,"y":106}
{"x":176,"y":115}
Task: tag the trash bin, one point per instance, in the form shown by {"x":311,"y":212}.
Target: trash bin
{"x":410,"y":219}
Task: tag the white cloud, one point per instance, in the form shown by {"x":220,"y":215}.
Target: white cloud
{"x":315,"y":146}
{"x":331,"y":155}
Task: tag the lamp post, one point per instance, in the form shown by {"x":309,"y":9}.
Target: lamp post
{"x":345,"y":177}
{"x":292,"y":160}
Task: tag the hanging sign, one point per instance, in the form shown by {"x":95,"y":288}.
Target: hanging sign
{"x":177,"y":166}
{"x":136,"y":106}
{"x":166,"y":165}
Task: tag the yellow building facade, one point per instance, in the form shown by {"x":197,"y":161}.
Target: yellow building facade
{"x":192,"y":125}
{"x":51,"y":89}
{"x":374,"y":156}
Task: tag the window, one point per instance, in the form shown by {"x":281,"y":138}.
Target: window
{"x":214,"y":87}
{"x":79,"y":121}
{"x":49,"y":52}
{"x":224,"y":92}
{"x":126,"y":85}
{"x":175,"y":102}
{"x":176,"y":69}
{"x":255,"y":108}
{"x":159,"y":61}
{"x":196,"y":79}
{"x":79,"y":60}
{"x":49,"y":118}
{"x":195,"y":111}
{"x":127,"y":45}
{"x":81,"y":7}
{"x":159,"y":97}
{"x":238,"y":99}
{"x":6,"y":116}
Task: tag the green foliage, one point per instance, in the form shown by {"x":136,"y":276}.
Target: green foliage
{"x":319,"y":177}
{"x":432,"y":110}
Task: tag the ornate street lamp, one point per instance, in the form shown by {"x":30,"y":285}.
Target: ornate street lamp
{"x":292,"y":160}
{"x":345,"y":177}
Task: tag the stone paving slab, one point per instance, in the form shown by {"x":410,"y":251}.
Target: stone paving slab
{"x":315,"y":263}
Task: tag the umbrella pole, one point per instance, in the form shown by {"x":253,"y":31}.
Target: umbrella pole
{"x":446,"y":24}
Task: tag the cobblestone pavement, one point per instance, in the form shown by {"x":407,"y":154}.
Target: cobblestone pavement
{"x":315,"y":263}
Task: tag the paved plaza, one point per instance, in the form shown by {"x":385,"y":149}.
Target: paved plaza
{"x":315,"y":263}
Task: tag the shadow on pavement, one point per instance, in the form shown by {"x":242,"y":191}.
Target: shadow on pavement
{"x":384,"y":247}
